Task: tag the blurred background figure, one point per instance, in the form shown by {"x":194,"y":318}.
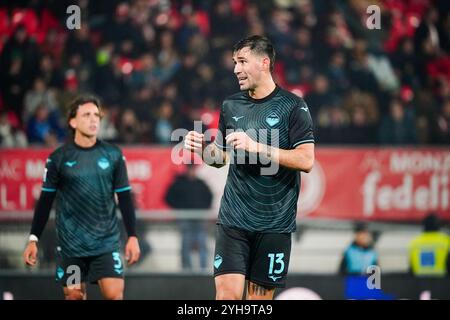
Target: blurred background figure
{"x":398,"y":127}
{"x":360,"y":254}
{"x":10,"y":134}
{"x":43,"y":129}
{"x":188,"y":192}
{"x":429,"y":252}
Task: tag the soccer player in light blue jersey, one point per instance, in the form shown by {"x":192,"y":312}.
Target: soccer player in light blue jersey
{"x":258,"y":209}
{"x":83,"y":176}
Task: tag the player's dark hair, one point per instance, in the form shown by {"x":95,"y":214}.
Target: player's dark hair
{"x":258,"y":44}
{"x":75,"y":104}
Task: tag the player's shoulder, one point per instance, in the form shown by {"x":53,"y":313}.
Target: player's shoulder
{"x":110,"y":147}
{"x":59,"y":151}
{"x":292,"y":97}
{"x":236,"y":97}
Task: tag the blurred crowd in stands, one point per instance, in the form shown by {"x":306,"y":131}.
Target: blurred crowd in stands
{"x":160,"y":64}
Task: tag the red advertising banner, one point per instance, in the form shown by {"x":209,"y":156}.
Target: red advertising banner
{"x":346,"y":183}
{"x":150,"y":171}
{"x":377,"y":184}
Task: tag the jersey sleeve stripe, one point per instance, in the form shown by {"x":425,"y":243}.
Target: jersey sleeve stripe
{"x":301,"y":142}
{"x":123,"y":189}
{"x":49,"y":189}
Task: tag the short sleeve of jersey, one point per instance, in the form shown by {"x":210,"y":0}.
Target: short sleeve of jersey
{"x":300,"y":125}
{"x":220,"y":141}
{"x":121,"y":182}
{"x":51,"y":174}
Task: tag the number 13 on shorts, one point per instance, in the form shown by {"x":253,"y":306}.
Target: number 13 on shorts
{"x":276,"y":265}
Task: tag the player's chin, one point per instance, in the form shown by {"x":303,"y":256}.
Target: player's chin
{"x":92,"y":133}
{"x":244,"y":87}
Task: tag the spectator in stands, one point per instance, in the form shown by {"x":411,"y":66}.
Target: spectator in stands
{"x":130,"y":128}
{"x":164,"y":124}
{"x":190,"y":192}
{"x":42,"y":129}
{"x":441,"y":126}
{"x":146,"y":75}
{"x":188,"y":31}
{"x":48,"y":71}
{"x":120,"y":28}
{"x":403,"y":61}
{"x":280,"y":31}
{"x":168,"y":58}
{"x":339,"y":34}
{"x":361,"y":74}
{"x":337,"y":73}
{"x":333,"y":125}
{"x":40,"y":94}
{"x":226,"y":25}
{"x":398,"y":127}
{"x":106,"y":76}
{"x":360,"y":130}
{"x":81,"y":69}
{"x":363,"y":110}
{"x":13,"y":84}
{"x":78,"y":43}
{"x":429,"y":251}
{"x":320,"y":97}
{"x":52,"y":50}
{"x":10,"y":135}
{"x":359,"y":255}
{"x":20,"y":56}
{"x":428,"y":32}
{"x":301,"y":53}
{"x":187,"y":73}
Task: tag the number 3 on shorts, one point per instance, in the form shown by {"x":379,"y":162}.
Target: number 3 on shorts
{"x":116,"y":258}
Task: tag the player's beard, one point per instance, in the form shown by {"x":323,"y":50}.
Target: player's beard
{"x":247,"y":85}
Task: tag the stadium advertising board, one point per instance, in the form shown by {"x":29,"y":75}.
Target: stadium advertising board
{"x":345,"y":183}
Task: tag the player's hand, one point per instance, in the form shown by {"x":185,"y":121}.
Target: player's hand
{"x":240,"y":140}
{"x":30,"y":254}
{"x":194,"y":142}
{"x":132,"y":251}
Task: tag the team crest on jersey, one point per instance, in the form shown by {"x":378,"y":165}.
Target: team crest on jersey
{"x":103,"y":163}
{"x":273,"y":119}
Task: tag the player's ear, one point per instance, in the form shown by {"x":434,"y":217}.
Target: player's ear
{"x":266,"y":63}
{"x":73,"y":123}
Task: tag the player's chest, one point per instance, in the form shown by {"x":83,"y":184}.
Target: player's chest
{"x":257,"y":117}
{"x":87,"y":166}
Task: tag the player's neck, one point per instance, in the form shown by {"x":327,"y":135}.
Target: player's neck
{"x":263,"y":90}
{"x":84,"y":141}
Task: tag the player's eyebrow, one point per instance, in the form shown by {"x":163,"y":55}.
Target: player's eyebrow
{"x":239,"y":59}
{"x":86,"y":113}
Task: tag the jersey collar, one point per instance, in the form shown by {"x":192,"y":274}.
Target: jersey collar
{"x":86,"y":149}
{"x":270,"y":96}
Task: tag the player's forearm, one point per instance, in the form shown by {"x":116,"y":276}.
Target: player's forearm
{"x":128,"y":212}
{"x":42,"y":212}
{"x":213,"y":156}
{"x":295,"y":159}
